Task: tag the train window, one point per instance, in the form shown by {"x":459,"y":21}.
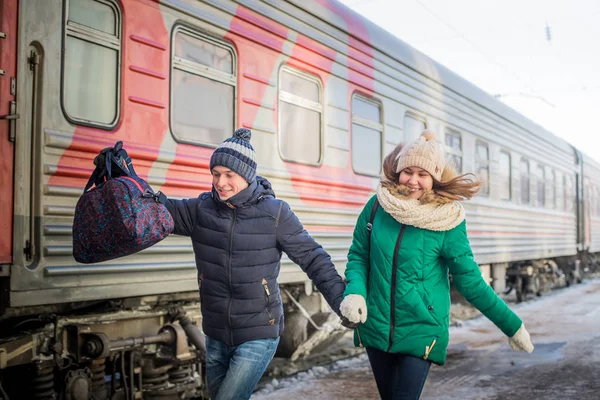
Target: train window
{"x":413,"y":126}
{"x":559,"y":191}
{"x":552,"y":190}
{"x":203,"y":88}
{"x":524,"y":178}
{"x":588,"y":198}
{"x":593,"y":200}
{"x":504,"y":176}
{"x":300,"y":116}
{"x":540,"y":175}
{"x":454,"y":148}
{"x":367,"y":136}
{"x":482,"y":166}
{"x":592,"y":197}
{"x":91,"y":62}
{"x":93,"y":14}
{"x":569,"y":193}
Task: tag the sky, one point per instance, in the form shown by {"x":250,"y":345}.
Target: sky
{"x":540,"y":57}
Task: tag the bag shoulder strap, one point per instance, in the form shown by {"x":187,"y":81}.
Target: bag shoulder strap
{"x":370,"y":227}
{"x":372,"y":217}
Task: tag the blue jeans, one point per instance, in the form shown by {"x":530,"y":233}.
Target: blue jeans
{"x":234,"y":371}
{"x":398,"y":376}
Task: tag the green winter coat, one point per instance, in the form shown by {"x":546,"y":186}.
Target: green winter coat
{"x":411,"y":314}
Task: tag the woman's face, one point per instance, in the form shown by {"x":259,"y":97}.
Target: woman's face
{"x":417,"y":180}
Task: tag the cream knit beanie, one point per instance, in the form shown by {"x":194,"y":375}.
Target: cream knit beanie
{"x":424,"y":153}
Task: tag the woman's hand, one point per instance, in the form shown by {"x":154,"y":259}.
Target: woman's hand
{"x":354,"y":308}
{"x":520,"y":341}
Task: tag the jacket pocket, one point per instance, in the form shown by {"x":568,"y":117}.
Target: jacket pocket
{"x":265,"y":285}
{"x":434,"y":313}
{"x":438,"y":308}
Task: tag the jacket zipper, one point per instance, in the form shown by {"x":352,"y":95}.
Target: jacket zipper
{"x":359,"y":339}
{"x":229,"y":277}
{"x":428,"y":349}
{"x":267,"y":294}
{"x":393,"y":289}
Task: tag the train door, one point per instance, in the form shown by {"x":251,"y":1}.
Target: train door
{"x":8,"y":116}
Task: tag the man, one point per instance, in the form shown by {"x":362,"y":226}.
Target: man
{"x":238,"y":232}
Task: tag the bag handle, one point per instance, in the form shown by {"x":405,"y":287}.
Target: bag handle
{"x":104,"y":161}
{"x":122,"y":159}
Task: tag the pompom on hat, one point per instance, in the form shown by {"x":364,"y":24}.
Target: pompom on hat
{"x":426,"y":153}
{"x":237,"y":154}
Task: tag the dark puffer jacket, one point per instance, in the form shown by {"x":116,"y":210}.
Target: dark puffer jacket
{"x":238,"y":246}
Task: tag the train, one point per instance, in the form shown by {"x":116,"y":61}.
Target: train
{"x":326,"y":93}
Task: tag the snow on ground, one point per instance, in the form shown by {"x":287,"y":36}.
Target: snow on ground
{"x":564,"y":328}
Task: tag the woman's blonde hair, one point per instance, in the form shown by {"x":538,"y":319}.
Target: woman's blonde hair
{"x":451,"y":185}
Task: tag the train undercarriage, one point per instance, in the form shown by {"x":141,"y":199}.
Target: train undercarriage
{"x":150,"y":347}
{"x":534,"y":278}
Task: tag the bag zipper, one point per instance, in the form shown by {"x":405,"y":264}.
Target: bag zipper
{"x":134,"y":181}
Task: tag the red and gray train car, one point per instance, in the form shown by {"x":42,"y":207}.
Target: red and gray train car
{"x":326,"y":94}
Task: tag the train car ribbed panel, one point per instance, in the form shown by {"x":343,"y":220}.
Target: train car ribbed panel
{"x":336,"y":53}
{"x":591,"y":176}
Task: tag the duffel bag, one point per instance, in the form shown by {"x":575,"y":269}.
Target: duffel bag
{"x":119,"y":213}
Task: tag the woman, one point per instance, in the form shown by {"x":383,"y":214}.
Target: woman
{"x":397,"y":279}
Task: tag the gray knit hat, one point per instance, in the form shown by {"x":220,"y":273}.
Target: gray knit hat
{"x":237,"y":154}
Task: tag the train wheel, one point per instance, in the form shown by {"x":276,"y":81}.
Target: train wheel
{"x":537,"y":285}
{"x":519,"y":289}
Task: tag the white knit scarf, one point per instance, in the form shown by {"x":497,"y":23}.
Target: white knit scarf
{"x":433,"y":216}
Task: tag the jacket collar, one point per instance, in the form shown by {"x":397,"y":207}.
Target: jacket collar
{"x":435,"y":214}
{"x":258,"y":189}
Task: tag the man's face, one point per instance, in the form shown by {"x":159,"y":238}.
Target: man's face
{"x":226,"y":182}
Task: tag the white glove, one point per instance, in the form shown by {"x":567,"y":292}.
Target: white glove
{"x":521,"y":340}
{"x":354,"y":308}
